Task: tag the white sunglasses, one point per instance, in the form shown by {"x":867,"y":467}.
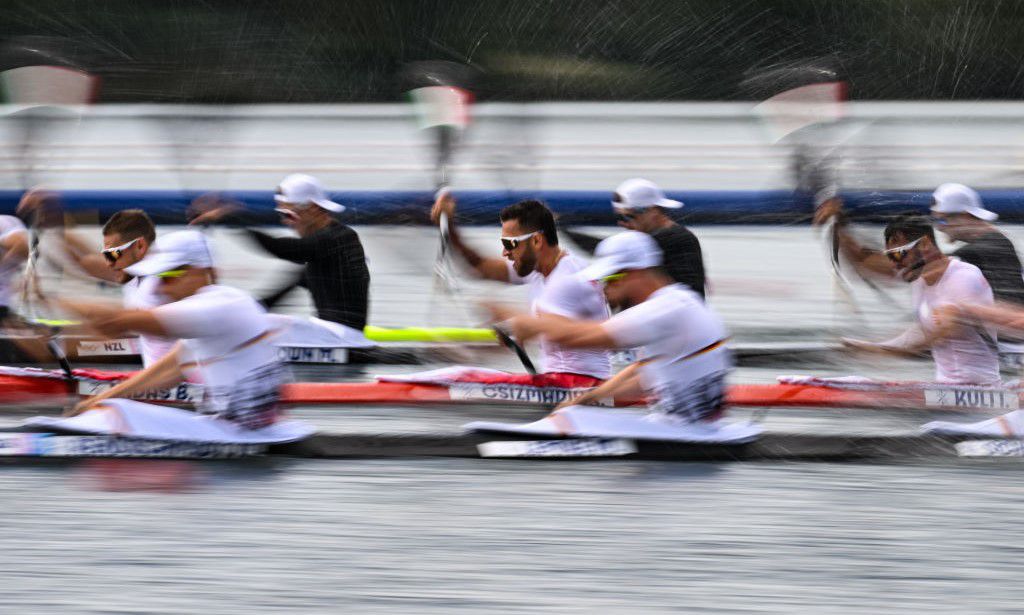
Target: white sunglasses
{"x":112,"y":254}
{"x":896,"y":254}
{"x":511,"y":243}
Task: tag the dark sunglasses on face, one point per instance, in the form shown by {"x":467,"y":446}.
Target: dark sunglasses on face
{"x":628,"y":215}
{"x":112,"y":254}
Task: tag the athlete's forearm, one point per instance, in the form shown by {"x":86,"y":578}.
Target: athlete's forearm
{"x":489,"y":268}
{"x":89,"y":260}
{"x":111,"y":320}
{"x":1003,"y":315}
{"x":626,"y":383}
{"x":15,"y":248}
{"x":865,"y":259}
{"x":569,"y":333}
{"x":164,"y":372}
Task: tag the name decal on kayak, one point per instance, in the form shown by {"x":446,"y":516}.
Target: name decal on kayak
{"x":184,"y":393}
{"x":312,"y":354}
{"x":120,"y":347}
{"x":519,"y":393}
{"x":993,"y":399}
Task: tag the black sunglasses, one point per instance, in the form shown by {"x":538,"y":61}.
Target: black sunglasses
{"x":628,"y":216}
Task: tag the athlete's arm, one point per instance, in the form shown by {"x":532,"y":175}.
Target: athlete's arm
{"x":1006,"y":316}
{"x":562,"y":331}
{"x":15,"y":246}
{"x":273,"y":298}
{"x":299,"y":250}
{"x":92,"y":263}
{"x":625,"y":384}
{"x":164,"y":372}
{"x":864,"y":259}
{"x":110,"y":320}
{"x":490,"y":268}
{"x":911,"y":342}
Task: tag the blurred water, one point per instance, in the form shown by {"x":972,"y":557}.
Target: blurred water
{"x":467,"y":536}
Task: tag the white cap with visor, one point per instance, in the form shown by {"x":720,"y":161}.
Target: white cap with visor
{"x":623,"y":252}
{"x":173,"y":250}
{"x":638,"y":193}
{"x":300,"y":189}
{"x":959,"y":199}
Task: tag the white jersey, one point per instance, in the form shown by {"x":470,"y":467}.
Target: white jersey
{"x":972,"y":356}
{"x":9,"y":226}
{"x":682,"y":345}
{"x":224,"y":337}
{"x":143,"y":293}
{"x":563,"y":293}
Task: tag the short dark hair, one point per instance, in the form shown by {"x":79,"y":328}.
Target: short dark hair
{"x":131,"y":224}
{"x":532,"y":216}
{"x":911,"y":227}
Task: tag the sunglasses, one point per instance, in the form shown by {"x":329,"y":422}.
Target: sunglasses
{"x":938,"y":220}
{"x":112,"y":254}
{"x":287,"y":213}
{"x":898,"y":253}
{"x":615,"y":277}
{"x":628,"y":216}
{"x":172,"y":274}
{"x":511,"y":243}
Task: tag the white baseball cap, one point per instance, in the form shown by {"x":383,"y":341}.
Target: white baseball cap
{"x":299,"y":189}
{"x":959,"y":199}
{"x":173,"y":250}
{"x":622,"y":252}
{"x":640,"y":193}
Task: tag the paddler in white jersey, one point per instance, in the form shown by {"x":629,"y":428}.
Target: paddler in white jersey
{"x":1004,"y":316}
{"x":224,"y":343}
{"x":533,"y":257}
{"x":683,"y":362}
{"x":963,"y":353}
{"x":129,"y":236}
{"x":13,"y":252}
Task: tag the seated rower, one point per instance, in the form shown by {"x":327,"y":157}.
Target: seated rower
{"x":13,"y":252}
{"x":963,"y":354}
{"x":334,"y":264}
{"x":224,"y":343}
{"x":129,"y":236}
{"x":1004,"y":316}
{"x":533,"y":257}
{"x":682,"y":341}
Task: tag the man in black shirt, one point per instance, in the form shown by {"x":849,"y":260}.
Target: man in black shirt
{"x":640,"y":205}
{"x":335,"y":271}
{"x":958,"y":212}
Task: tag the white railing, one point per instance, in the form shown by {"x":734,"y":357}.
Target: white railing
{"x":530,"y":146}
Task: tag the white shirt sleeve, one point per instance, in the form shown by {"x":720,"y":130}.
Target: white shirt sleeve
{"x":967,"y":285}
{"x":641,"y":324}
{"x":193,"y":317}
{"x":571,"y":297}
{"x":10,"y":225}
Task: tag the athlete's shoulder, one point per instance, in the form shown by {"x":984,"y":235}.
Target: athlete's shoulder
{"x":962,"y":269}
{"x":10,"y":224}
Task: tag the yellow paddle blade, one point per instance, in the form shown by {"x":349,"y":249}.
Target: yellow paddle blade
{"x":47,"y":322}
{"x":428,"y":334}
